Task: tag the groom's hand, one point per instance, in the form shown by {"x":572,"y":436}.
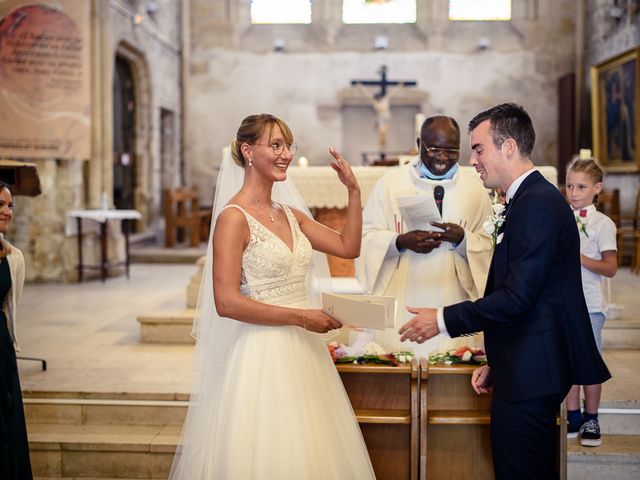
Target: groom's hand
{"x":420,"y":328}
{"x":481,"y":380}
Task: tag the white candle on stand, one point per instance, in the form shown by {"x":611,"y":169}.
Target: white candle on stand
{"x":585,"y":153}
{"x":420,"y":118}
{"x":303,"y":162}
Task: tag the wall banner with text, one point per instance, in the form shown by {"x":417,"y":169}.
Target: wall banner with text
{"x":45,"y":96}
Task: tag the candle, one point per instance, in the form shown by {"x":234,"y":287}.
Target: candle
{"x":585,"y":153}
{"x":303,"y":162}
{"x":419,"y":119}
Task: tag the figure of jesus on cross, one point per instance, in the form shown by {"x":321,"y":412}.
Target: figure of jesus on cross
{"x":381,"y":102}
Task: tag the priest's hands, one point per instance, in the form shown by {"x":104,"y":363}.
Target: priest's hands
{"x":421,"y":327}
{"x":452,"y":232}
{"x":343,"y":169}
{"x":316,"y":320}
{"x":481,"y":380}
{"x":418,"y":241}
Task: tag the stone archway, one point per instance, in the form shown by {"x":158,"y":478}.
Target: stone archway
{"x":130,"y":177}
{"x":124,"y":136}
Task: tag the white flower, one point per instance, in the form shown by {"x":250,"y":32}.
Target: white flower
{"x":373,"y":348}
{"x":495,"y":221}
{"x":488,"y":227}
{"x":582,"y":224}
{"x":466,"y":356}
{"x":498,"y":208}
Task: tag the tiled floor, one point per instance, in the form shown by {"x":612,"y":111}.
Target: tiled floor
{"x":89,"y":336}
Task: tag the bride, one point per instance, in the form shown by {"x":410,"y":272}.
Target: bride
{"x":268,"y":402}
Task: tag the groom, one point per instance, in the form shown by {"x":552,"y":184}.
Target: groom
{"x":538,"y":336}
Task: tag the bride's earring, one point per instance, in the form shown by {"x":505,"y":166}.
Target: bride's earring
{"x":251,"y":162}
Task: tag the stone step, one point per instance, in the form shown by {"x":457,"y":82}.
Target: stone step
{"x":621,"y":334}
{"x":81,"y":478}
{"x":102,"y":451}
{"x":152,"y":254}
{"x":624,"y":419}
{"x":617,"y":458}
{"x":105,"y":411}
{"x":171,"y":326}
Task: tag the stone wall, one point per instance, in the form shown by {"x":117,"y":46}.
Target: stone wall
{"x":463,"y":67}
{"x":154,"y":48}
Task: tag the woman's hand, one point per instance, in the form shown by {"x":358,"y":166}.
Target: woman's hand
{"x":343,"y":169}
{"x":317,"y":321}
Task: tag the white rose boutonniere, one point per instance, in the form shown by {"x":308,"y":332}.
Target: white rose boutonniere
{"x":581,"y":221}
{"x":495,"y":221}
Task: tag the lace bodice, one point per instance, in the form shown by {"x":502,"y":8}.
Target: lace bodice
{"x":271,"y":273}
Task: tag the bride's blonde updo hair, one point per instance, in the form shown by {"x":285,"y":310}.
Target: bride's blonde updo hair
{"x":250,"y":131}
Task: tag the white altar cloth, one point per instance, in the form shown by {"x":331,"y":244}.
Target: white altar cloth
{"x":320,"y":187}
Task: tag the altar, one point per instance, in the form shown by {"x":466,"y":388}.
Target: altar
{"x":327,"y":198}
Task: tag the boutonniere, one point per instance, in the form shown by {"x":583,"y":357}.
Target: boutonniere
{"x":495,"y":220}
{"x":581,"y":221}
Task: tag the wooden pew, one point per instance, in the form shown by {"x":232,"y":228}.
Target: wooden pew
{"x":182,"y":214}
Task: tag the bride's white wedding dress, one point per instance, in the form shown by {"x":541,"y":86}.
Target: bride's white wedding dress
{"x":282,"y":411}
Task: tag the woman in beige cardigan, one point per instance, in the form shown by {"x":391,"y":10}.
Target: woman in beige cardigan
{"x":14,"y":446}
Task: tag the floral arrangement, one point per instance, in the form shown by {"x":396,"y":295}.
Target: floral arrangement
{"x":494,"y":221}
{"x":467,"y":355}
{"x":581,"y":220}
{"x":372,"y":353}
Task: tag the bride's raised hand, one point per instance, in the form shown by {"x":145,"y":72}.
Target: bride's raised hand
{"x":316,"y":320}
{"x":343,"y":169}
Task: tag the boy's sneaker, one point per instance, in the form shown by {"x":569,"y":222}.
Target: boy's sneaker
{"x":590,"y":434}
{"x":572,"y":430}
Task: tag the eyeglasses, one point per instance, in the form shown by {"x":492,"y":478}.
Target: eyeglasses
{"x":449,"y":153}
{"x":278,"y":147}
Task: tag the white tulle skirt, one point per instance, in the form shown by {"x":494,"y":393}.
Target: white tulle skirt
{"x":283,"y":413}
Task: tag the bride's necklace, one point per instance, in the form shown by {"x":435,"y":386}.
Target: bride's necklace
{"x":270,"y":215}
{"x":264,"y":209}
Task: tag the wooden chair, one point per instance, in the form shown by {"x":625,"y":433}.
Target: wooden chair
{"x":635,"y":261}
{"x":182,"y":214}
{"x":609,"y":204}
{"x":630,"y":230}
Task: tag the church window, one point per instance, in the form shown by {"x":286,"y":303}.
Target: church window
{"x":480,"y":10}
{"x":280,"y":11}
{"x":379,"y":11}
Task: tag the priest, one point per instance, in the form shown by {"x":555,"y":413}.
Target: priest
{"x":438,"y":264}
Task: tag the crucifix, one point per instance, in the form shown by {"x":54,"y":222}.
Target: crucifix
{"x":381,"y":102}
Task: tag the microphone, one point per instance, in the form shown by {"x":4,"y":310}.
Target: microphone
{"x":438,"y":194}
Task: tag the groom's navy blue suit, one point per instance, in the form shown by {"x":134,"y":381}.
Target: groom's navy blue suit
{"x":538,"y":335}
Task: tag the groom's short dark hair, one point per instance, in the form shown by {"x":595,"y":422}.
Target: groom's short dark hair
{"x":508,"y":120}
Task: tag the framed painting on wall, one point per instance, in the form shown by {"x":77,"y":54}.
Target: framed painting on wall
{"x":614,"y":108}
